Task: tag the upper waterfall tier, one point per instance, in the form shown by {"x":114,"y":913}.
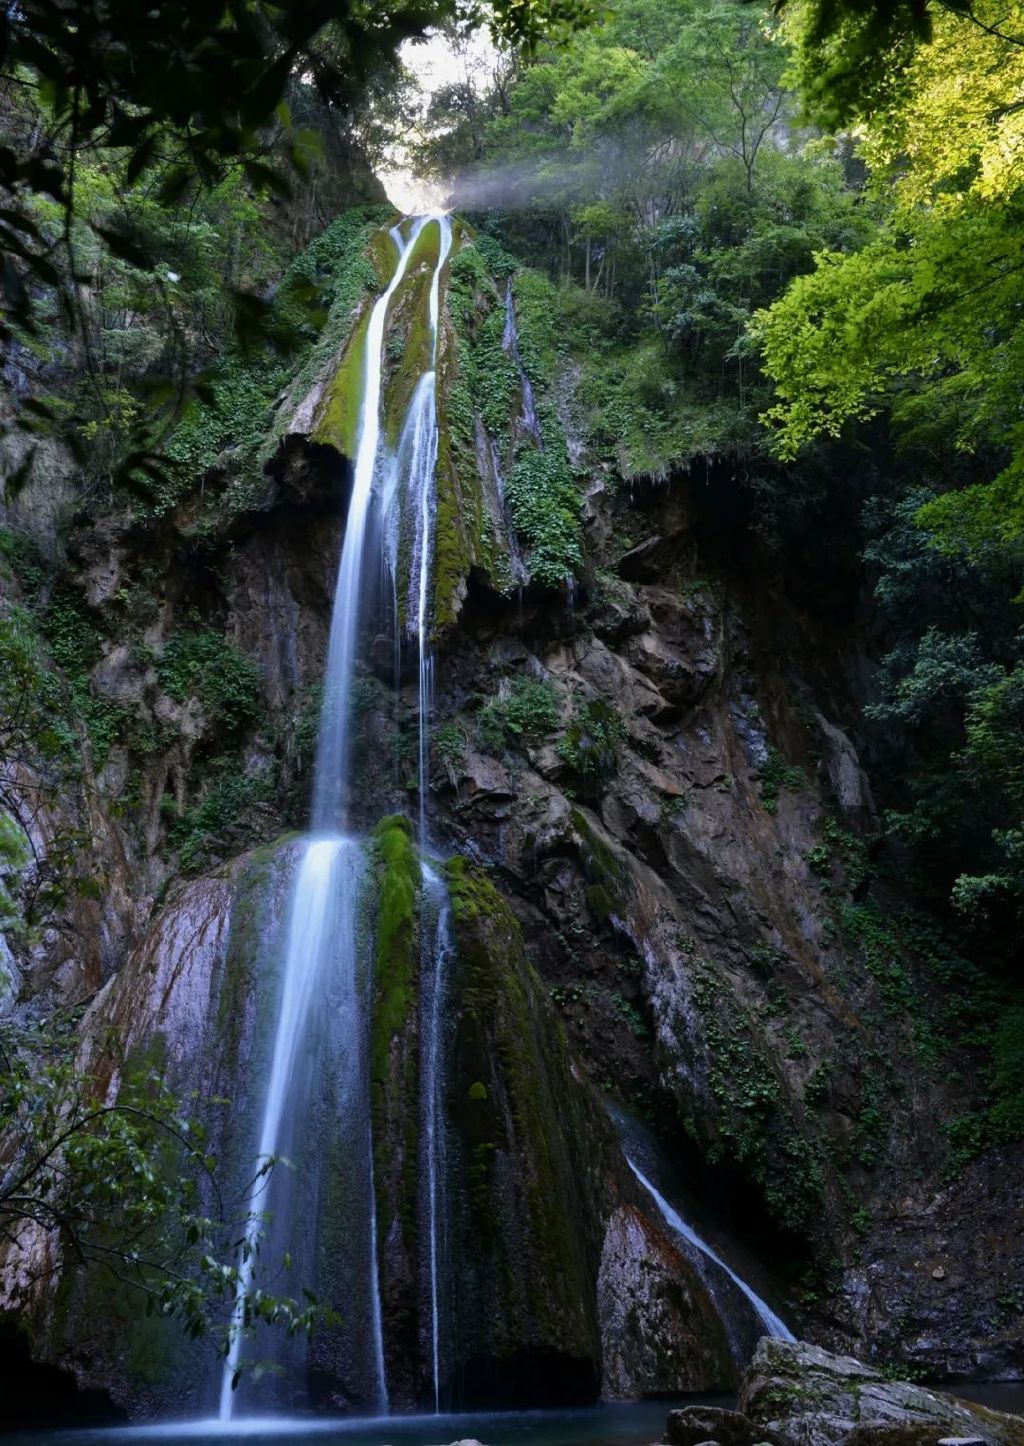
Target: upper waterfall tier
{"x":505,"y":505}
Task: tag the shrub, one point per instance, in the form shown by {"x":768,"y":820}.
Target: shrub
{"x":525,"y":712}
{"x":591,"y":743}
{"x":544,"y":504}
{"x":205,"y":666}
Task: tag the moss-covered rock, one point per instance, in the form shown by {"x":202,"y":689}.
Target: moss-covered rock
{"x":393,"y":1052}
{"x":531,"y":1141}
{"x":394,"y":1085}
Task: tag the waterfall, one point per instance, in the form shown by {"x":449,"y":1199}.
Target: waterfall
{"x":329,"y":802}
{"x":323,"y":968}
{"x":510,"y":342}
{"x":771,"y":1323}
{"x":422,"y":491}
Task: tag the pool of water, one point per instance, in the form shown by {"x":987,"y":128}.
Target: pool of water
{"x":636,"y":1424}
{"x":996,"y":1395}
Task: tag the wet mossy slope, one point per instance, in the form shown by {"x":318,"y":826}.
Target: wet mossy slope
{"x":533,"y":1142}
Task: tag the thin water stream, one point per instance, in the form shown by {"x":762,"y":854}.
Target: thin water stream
{"x":772,"y":1324}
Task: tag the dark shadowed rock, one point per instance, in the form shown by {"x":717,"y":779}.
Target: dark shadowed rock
{"x":799,"y":1395}
{"x":692,"y":1425}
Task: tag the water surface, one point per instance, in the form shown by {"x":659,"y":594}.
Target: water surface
{"x":634,"y":1424}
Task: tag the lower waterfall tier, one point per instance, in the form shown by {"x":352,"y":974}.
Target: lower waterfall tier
{"x":567,"y":1283}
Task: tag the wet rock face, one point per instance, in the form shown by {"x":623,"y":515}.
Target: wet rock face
{"x":799,"y":1395}
{"x":942,"y":1281}
{"x":660,"y":1334}
{"x":556,"y":1269}
{"x":699,"y":916}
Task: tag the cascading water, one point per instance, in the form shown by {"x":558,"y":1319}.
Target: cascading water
{"x":772,"y":1325}
{"x":318,"y":1085}
{"x":510,"y":341}
{"x":323,"y":969}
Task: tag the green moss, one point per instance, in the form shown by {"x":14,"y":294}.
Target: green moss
{"x":609,"y":877}
{"x":340,"y":410}
{"x":394,"y":1053}
{"x":382,"y":253}
{"x":478,"y":1090}
{"x":599,"y":902}
{"x":409,"y":343}
{"x":427,"y":249}
{"x":395,"y":954}
{"x":459,"y":514}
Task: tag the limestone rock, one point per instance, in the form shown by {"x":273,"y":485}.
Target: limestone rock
{"x":695,"y":1424}
{"x":800,"y":1395}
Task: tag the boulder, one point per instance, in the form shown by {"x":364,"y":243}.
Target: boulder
{"x":799,"y":1395}
{"x":693,"y":1425}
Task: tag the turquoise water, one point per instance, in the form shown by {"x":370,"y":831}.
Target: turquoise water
{"x":604,"y":1425}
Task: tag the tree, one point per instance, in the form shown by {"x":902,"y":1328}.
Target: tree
{"x":118,"y":1178}
{"x":170,"y":103}
{"x":924,"y":323}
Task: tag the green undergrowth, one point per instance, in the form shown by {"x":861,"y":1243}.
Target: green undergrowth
{"x":756,"y":1128}
{"x":219,"y":822}
{"x":463,"y":535}
{"x":956,"y":1015}
{"x":591,"y":743}
{"x":544,"y":505}
{"x":774,"y":776}
{"x":311,"y":318}
{"x":999,"y":1120}
{"x":482,"y":384}
{"x":205,"y":666}
{"x":524,"y":711}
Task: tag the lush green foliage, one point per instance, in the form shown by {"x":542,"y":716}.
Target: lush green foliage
{"x":127,"y":1184}
{"x":638,"y":166}
{"x":590,"y":745}
{"x":544,"y":504}
{"x":204,"y":666}
{"x":524,"y":712}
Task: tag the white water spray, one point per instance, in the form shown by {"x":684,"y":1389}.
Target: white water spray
{"x":773,"y":1325}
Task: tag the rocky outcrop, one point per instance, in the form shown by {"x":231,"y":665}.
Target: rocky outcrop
{"x":556,"y":1276}
{"x":796,"y":1394}
{"x":660,"y":1332}
{"x":691,"y":1425}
